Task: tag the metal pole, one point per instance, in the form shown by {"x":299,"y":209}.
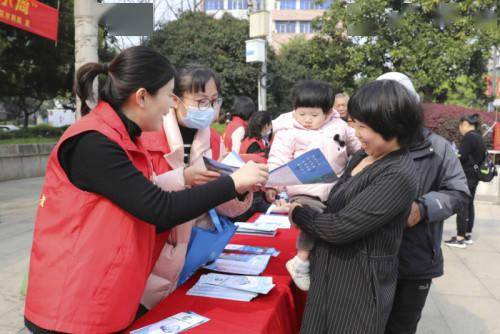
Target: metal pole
{"x":85,"y":38}
{"x":263,"y":85}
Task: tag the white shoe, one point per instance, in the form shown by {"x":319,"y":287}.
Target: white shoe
{"x":468,"y":240}
{"x":300,"y":276}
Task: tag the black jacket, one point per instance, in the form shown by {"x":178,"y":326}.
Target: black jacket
{"x":354,"y":263}
{"x":442,"y":189}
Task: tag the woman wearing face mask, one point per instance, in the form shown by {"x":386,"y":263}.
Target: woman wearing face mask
{"x":99,"y":210}
{"x":178,"y":150}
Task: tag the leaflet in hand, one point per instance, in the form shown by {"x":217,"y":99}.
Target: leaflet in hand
{"x":251,"y":250}
{"x":174,"y":324}
{"x":243,"y":264}
{"x":255,"y":284}
{"x":311,"y":167}
{"x":256,"y":229}
{"x":229,"y":164}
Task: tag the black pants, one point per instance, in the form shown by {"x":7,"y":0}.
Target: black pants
{"x":407,"y":307}
{"x":465,"y":216}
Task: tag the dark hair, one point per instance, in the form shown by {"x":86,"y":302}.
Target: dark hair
{"x":473,"y":119}
{"x":313,"y":94}
{"x":389,"y":109}
{"x":256,"y":123}
{"x":243,"y":107}
{"x":134,"y":68}
{"x":193,"y":78}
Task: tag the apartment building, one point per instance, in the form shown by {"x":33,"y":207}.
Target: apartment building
{"x":288,"y":18}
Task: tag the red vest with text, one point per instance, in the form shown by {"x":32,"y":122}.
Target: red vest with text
{"x":90,"y":259}
{"x":235,"y":123}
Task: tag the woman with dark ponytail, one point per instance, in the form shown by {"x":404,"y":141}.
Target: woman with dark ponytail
{"x":472,"y":152}
{"x":100,"y":210}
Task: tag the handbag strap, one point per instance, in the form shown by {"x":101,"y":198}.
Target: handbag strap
{"x":215,"y":220}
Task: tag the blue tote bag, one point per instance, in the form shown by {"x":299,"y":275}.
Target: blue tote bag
{"x":205,"y":245}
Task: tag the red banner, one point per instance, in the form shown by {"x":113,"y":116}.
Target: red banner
{"x":32,"y":16}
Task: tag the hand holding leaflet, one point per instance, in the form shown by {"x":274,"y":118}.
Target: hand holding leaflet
{"x":311,"y":167}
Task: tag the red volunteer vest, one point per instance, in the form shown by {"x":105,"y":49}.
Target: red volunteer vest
{"x":256,"y":157}
{"x":90,"y":259}
{"x":157,"y":146}
{"x":235,"y":123}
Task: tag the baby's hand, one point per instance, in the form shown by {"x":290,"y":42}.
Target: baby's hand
{"x":281,"y":206}
{"x":271,"y":195}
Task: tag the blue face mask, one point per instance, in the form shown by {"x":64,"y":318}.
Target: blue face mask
{"x":199,"y":119}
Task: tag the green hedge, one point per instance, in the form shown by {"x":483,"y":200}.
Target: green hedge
{"x":39,"y":131}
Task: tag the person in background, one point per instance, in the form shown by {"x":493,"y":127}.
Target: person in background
{"x":178,"y":150}
{"x":441,"y":191}
{"x":471,"y":152}
{"x":99,"y":210}
{"x":243,"y":108}
{"x":257,"y":134}
{"x":315,"y":125}
{"x":340,"y":104}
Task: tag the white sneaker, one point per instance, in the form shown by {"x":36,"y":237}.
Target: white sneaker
{"x":299,"y":273}
{"x":468,"y":240}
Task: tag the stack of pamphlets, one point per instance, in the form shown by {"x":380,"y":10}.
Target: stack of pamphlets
{"x":245,"y":249}
{"x":242,"y":264}
{"x":259,"y":229}
{"x":280,"y":221}
{"x":174,"y":324}
{"x":232,"y":287}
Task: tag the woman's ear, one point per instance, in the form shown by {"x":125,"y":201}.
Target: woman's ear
{"x":140,"y":97}
{"x":176,"y":101}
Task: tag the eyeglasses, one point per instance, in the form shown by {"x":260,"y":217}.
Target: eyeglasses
{"x":204,"y":104}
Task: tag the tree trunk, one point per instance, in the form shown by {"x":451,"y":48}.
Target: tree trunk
{"x":85,"y":39}
{"x":26,"y":118}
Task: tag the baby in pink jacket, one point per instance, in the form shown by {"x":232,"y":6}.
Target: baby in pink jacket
{"x":312,"y":124}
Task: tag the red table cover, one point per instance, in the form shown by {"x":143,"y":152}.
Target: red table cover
{"x":278,"y":312}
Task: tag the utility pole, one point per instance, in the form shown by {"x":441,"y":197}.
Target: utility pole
{"x":85,"y":39}
{"x":256,"y":51}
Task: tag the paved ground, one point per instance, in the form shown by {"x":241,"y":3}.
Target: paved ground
{"x":466,"y":300}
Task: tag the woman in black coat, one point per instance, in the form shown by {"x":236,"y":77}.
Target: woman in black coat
{"x":472,"y":152}
{"x":354,"y":265}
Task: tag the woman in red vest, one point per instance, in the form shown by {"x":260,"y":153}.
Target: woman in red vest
{"x":243,"y":108}
{"x":178,"y":150}
{"x":99,"y":210}
{"x":256,"y":143}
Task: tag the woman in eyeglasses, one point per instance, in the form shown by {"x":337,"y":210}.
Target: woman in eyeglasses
{"x":177,"y":151}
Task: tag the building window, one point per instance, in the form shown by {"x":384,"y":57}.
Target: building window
{"x":285,"y":27}
{"x":258,"y":4}
{"x":315,"y":4}
{"x":214,"y":4}
{"x":306,"y":27}
{"x":237,"y":4}
{"x":288,"y":4}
